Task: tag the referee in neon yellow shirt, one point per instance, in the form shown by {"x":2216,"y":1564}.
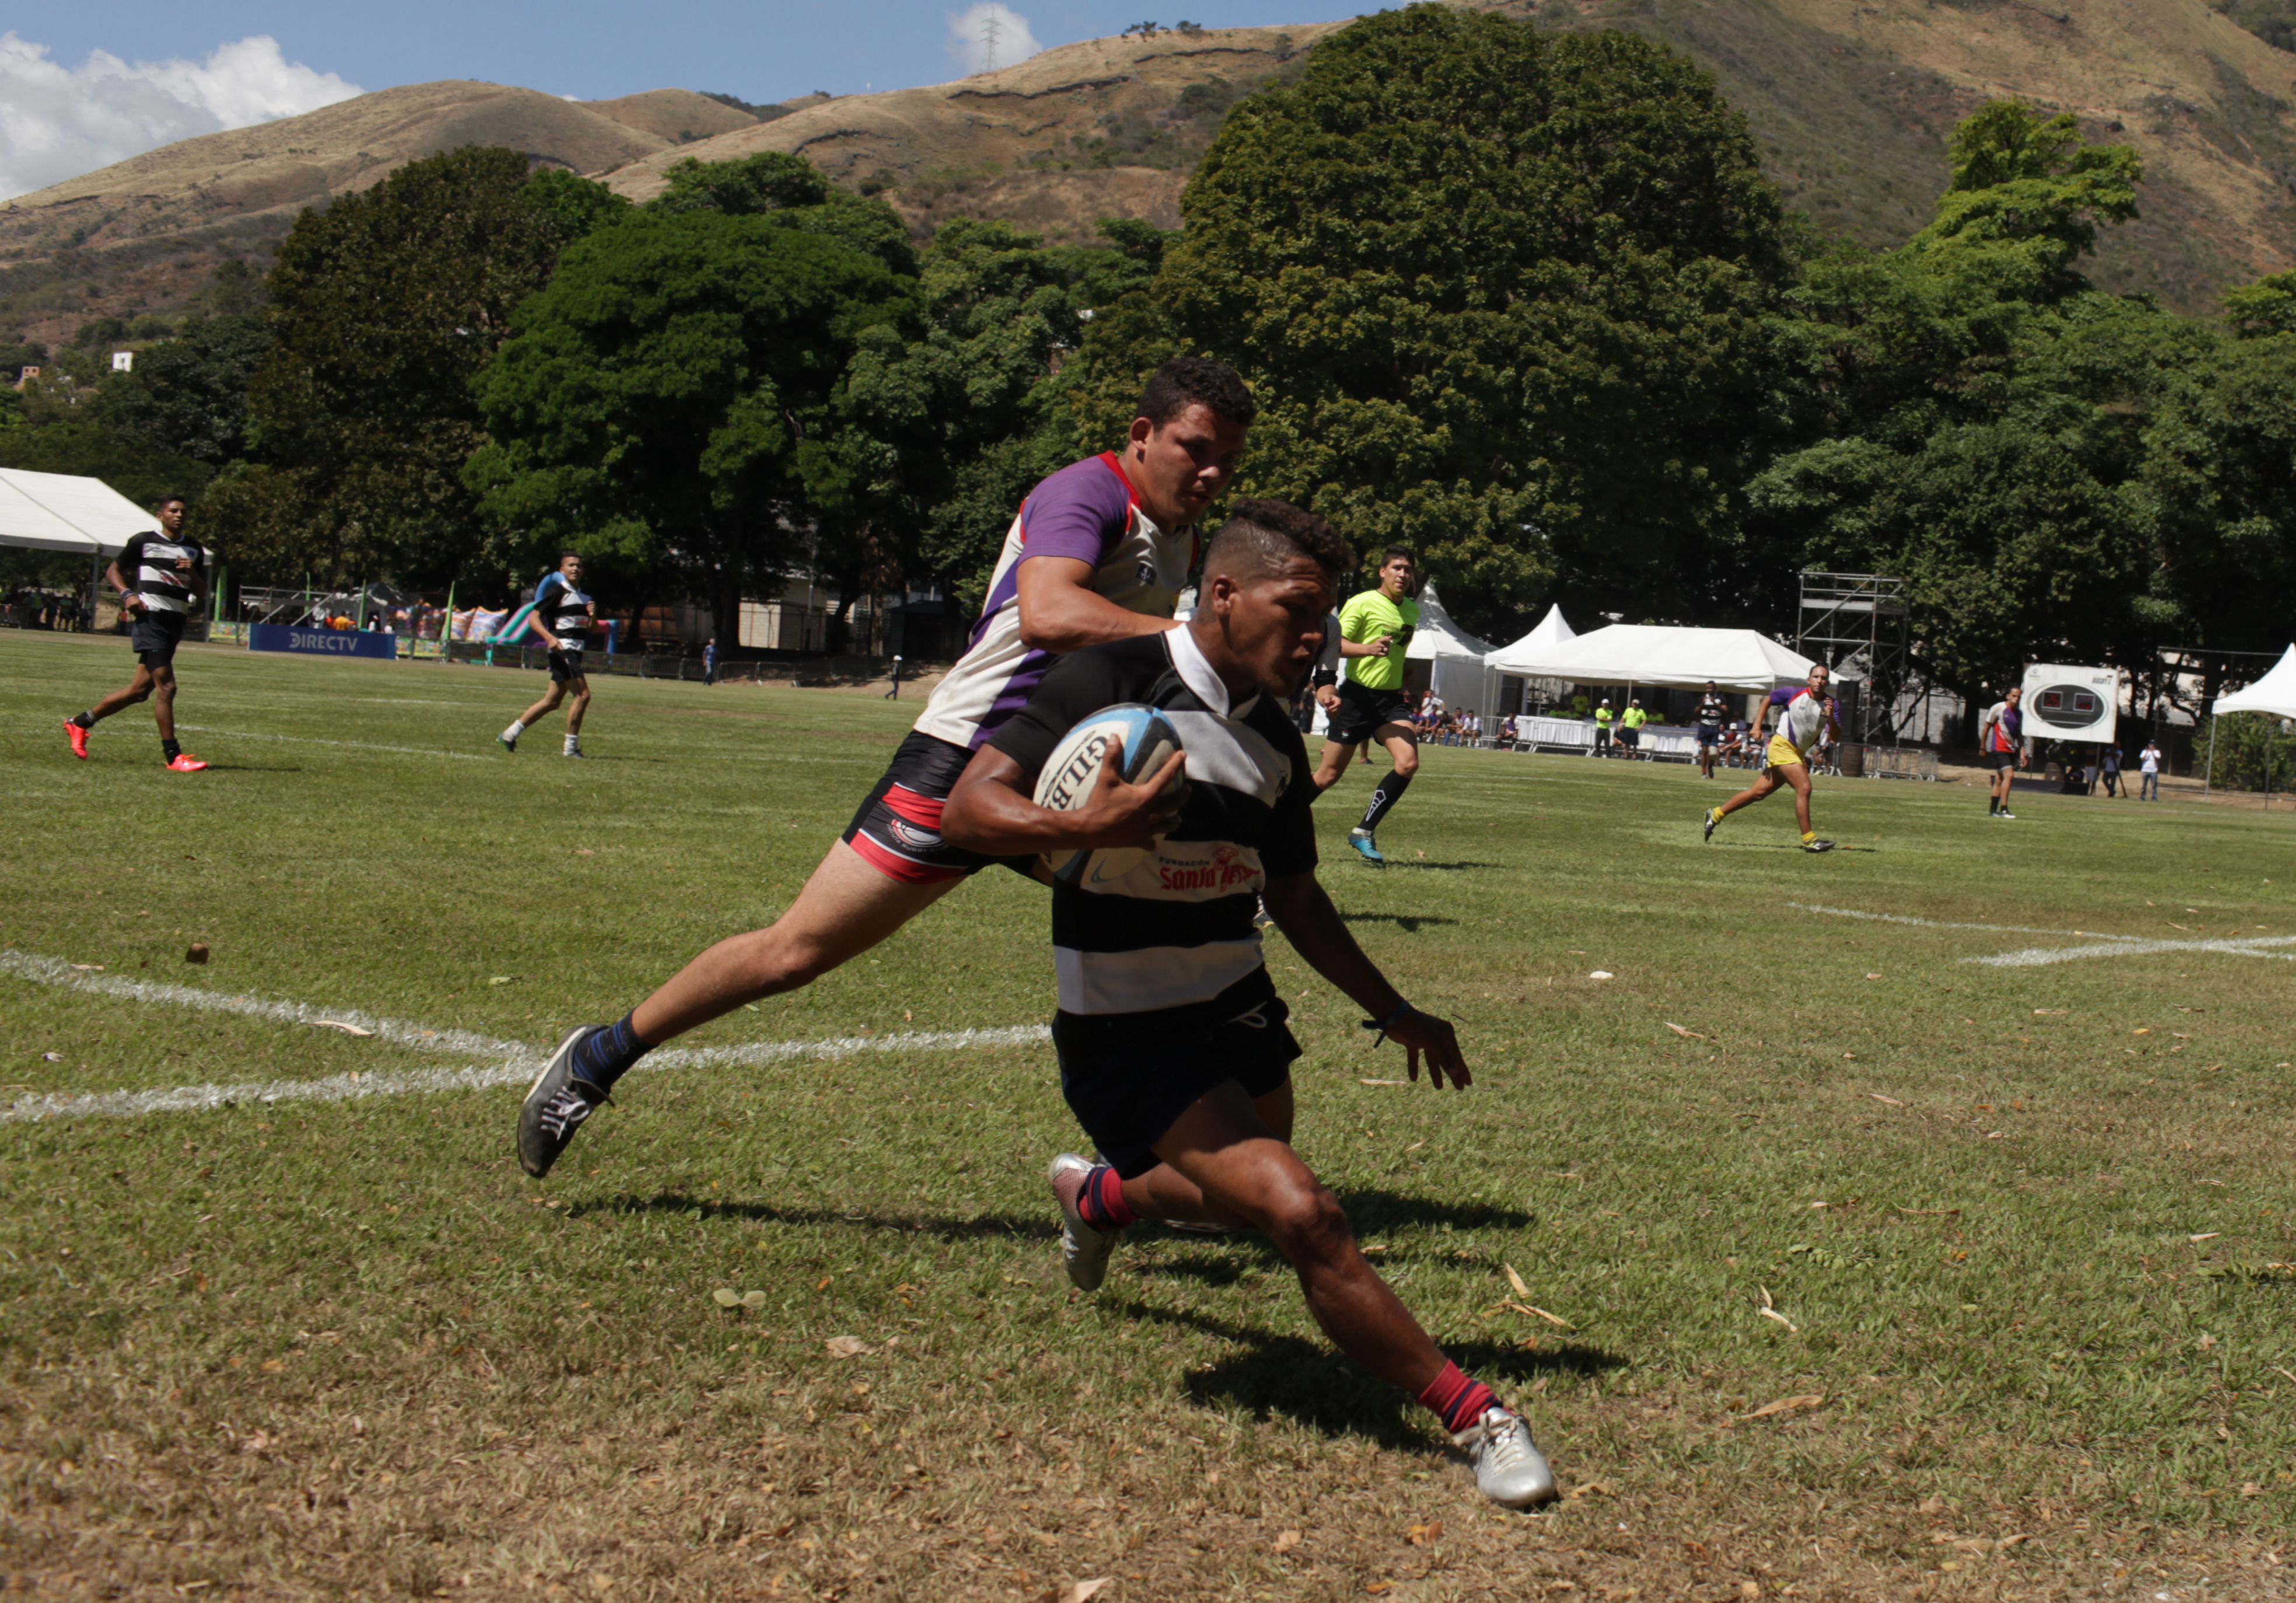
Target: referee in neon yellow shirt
{"x":1376,"y":630}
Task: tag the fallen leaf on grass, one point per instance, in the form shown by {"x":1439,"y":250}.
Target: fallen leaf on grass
{"x":1602,"y":974}
{"x":1768,"y":1311}
{"x":1426,"y":1535}
{"x":2205,"y":1236}
{"x":1786,"y":1405}
{"x":1285,"y":1541}
{"x":2046,"y":1012}
{"x":1085,"y":1591}
{"x":2140,"y":1032}
{"x":1515,"y":1280}
{"x":725,"y":1296}
{"x":1892,"y":1101}
{"x":336,"y":1023}
{"x":85,"y":968}
{"x":1589,"y":1489}
{"x":853,"y":1346}
{"x":1552,"y":1319}
{"x":753,"y":1301}
{"x":1873,"y":976}
{"x":1361,"y":1082}
{"x":1691,"y":1034}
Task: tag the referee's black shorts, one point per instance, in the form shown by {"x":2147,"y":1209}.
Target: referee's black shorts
{"x":1362,"y":710}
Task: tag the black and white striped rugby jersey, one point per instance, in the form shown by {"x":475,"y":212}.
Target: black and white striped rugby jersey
{"x":147,"y":564}
{"x":562,"y":611}
{"x":1173,"y":937}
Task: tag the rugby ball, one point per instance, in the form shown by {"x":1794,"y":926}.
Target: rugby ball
{"x":1073,"y":770}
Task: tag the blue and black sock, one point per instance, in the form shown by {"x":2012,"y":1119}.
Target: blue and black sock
{"x":605,"y":1056}
{"x":1388,"y":793}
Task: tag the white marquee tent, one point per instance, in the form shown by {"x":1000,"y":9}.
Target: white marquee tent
{"x":1551,"y":632}
{"x":64,"y":512}
{"x":1458,"y":675}
{"x":1645,"y":654}
{"x":2274,"y":694}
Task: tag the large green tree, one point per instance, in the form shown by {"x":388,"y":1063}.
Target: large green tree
{"x":188,"y":395}
{"x":384,"y":308}
{"x":673,"y":402}
{"x":1502,"y":296}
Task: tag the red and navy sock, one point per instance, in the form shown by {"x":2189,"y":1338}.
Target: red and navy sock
{"x":1101,"y":1201}
{"x":1458,"y":1400}
{"x":606,"y":1056}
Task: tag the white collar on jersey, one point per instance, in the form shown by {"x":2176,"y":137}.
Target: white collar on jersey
{"x":1196,"y":672}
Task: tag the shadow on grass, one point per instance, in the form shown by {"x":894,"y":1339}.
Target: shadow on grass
{"x":1043,"y":1227}
{"x":1308,"y":1382}
{"x":1408,"y":922}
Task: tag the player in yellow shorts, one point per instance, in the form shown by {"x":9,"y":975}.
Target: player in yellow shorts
{"x":1803,"y":717}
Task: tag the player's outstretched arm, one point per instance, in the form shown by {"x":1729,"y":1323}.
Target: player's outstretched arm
{"x":1303,"y":911}
{"x":993,"y":809}
{"x":1061,"y":613}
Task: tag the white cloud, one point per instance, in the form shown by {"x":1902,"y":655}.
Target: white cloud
{"x":988,"y":36}
{"x":57,"y":122}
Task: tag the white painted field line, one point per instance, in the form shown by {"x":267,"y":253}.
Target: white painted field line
{"x":2034,"y":956}
{"x":513,"y":1062}
{"x":1935,"y":924}
{"x":2105,"y":946}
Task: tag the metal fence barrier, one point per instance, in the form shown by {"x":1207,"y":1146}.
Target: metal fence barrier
{"x":1887,"y":762}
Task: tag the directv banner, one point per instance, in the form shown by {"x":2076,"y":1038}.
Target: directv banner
{"x":323,"y":642}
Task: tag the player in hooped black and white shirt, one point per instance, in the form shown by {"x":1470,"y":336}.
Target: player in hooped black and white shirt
{"x":564,"y":615}
{"x":1712,"y":710}
{"x":1174,"y":1051}
{"x":161,"y":577}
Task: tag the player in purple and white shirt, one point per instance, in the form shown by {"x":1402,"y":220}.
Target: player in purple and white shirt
{"x":1803,"y":717}
{"x":1098,"y":551}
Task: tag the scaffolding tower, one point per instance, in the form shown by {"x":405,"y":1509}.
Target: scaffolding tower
{"x":1861,"y":621}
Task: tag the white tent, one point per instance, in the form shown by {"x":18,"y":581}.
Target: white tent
{"x":1551,"y":631}
{"x":1643,"y":653}
{"x":64,"y":512}
{"x":1458,"y":675}
{"x":2275,"y":693}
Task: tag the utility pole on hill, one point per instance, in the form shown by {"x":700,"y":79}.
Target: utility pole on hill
{"x":991,"y":31}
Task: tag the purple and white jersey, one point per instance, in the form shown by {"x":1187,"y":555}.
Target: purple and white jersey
{"x":1084,"y":511}
{"x":1801,"y":718}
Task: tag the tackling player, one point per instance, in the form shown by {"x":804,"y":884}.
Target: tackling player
{"x":1375,"y":630}
{"x":564,"y":615}
{"x":159,"y":576}
{"x":1803,"y":716}
{"x":1998,"y":733}
{"x":1098,"y":551}
{"x":1711,"y":711}
{"x":1173,"y":1052}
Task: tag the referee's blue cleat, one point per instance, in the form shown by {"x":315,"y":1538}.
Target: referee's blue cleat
{"x":555,"y":1106}
{"x":506,"y":743}
{"x":1366,"y":847}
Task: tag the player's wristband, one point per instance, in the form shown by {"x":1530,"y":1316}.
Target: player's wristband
{"x":1403,"y":1010}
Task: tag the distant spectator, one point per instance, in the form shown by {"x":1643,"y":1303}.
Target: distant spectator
{"x":709,"y":661}
{"x":2148,"y":766}
{"x":2111,"y":773}
{"x":1630,"y":728}
{"x":1603,"y":718}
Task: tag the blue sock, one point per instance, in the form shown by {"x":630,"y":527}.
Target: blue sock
{"x":606,"y":1056}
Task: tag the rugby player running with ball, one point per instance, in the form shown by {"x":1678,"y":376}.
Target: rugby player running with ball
{"x":1099,"y":552}
{"x":1803,"y":716}
{"x":1378,"y":624}
{"x":1173,"y":1052}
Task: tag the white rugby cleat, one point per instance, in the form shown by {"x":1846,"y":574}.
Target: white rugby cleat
{"x":1509,"y":1468}
{"x":1084,"y":1250}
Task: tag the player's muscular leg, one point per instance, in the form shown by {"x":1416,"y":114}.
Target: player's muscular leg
{"x":557,"y":693}
{"x":1332,"y":764}
{"x":1221,"y":1145}
{"x":1761,"y":787}
{"x":581,"y":704}
{"x":1165,"y":1193}
{"x":846,"y":907}
{"x":163,"y":702}
{"x":1798,"y":776}
{"x":139,"y":689}
{"x":1402,"y":749}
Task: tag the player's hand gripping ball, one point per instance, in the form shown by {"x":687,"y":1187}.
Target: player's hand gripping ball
{"x":1072,"y":773}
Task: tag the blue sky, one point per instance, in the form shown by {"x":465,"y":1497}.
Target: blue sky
{"x":83,"y":86}
{"x":763,"y":52}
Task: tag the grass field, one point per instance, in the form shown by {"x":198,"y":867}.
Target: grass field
{"x":1882,"y":1272}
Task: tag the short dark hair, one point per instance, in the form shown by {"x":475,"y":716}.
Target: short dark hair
{"x":163,"y":500}
{"x":1186,"y":381}
{"x":570,"y":551}
{"x":1261,"y":536}
{"x":1393,"y":552}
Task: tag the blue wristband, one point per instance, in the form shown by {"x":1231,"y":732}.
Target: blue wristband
{"x":1403,"y":1010}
